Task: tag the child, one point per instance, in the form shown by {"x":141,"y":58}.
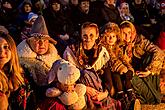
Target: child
{"x":122,"y":71}
{"x":28,"y":25}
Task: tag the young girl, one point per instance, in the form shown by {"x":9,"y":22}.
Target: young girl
{"x":122,"y":71}
{"x":12,"y":83}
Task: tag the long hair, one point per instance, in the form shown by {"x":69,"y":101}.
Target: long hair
{"x":13,"y":67}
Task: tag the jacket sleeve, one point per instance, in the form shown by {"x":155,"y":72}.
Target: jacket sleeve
{"x":155,"y":65}
{"x":116,"y":64}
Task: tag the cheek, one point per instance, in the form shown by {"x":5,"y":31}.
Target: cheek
{"x":114,"y":39}
{"x":35,"y":46}
{"x":9,"y":54}
{"x":46,"y":46}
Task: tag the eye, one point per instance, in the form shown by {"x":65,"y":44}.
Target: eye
{"x":6,"y":47}
{"x":60,"y":68}
{"x":91,"y":36}
{"x":84,"y":37}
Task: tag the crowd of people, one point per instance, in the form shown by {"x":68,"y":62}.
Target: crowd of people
{"x":81,"y":54}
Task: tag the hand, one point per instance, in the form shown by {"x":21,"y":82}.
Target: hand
{"x":100,"y":96}
{"x":64,"y":37}
{"x":53,"y":92}
{"x":91,"y":91}
{"x":123,"y":70}
{"x":143,"y":73}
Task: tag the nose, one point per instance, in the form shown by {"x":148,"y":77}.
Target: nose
{"x":41,"y":42}
{"x":110,"y":37}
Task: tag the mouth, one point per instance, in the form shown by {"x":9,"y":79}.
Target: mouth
{"x":2,"y":57}
{"x":42,"y":48}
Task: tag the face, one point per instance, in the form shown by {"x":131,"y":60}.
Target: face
{"x":89,"y":36}
{"x":32,"y":21}
{"x":27,"y":8}
{"x":56,"y":6}
{"x":7,"y":5}
{"x":110,"y":1}
{"x":38,"y":5}
{"x":74,"y":2}
{"x":84,"y":6}
{"x":110,"y":38}
{"x":5,"y":52}
{"x":124,"y":10}
{"x":126,"y":34}
{"x":138,"y":1}
{"x":39,"y":46}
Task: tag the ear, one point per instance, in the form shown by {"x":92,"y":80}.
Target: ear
{"x":97,"y":33}
{"x":51,"y":76}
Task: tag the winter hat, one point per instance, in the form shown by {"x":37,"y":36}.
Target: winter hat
{"x":54,"y":1}
{"x":39,"y":30}
{"x":162,"y":4}
{"x":31,"y":16}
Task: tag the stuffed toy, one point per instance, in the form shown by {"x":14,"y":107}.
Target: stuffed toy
{"x":65,"y":75}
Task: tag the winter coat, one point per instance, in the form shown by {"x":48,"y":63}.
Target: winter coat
{"x":37,"y":65}
{"x":143,"y":46}
{"x":118,"y":60}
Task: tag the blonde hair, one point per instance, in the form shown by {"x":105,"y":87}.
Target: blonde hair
{"x":13,"y":67}
{"x":111,"y":27}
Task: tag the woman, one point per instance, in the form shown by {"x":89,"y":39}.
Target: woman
{"x":37,"y":54}
{"x":12,"y":83}
{"x":92,"y":59}
{"x":146,"y":59}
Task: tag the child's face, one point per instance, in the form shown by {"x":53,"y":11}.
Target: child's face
{"x":5,"y":52}
{"x":111,"y":38}
{"x":31,"y":22}
{"x":126,"y":34}
{"x":27,"y":8}
{"x":89,"y":36}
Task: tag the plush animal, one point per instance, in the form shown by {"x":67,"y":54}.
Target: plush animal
{"x":71,"y":94}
